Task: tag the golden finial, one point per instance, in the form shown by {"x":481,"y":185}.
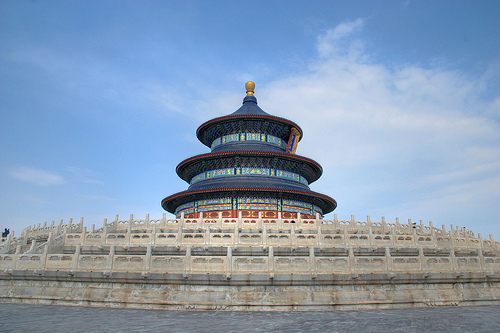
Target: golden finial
{"x":250,"y":87}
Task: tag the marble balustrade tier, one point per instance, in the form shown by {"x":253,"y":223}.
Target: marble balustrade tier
{"x":233,"y":246}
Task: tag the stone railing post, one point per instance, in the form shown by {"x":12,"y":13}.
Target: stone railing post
{"x":111,"y":257}
{"x":414,"y":233}
{"x":187,"y":264}
{"x":393,"y":236}
{"x":351,"y":260}
{"x":83,"y":233}
{"x":105,"y":228}
{"x":76,"y":258}
{"x":320,"y":235}
{"x":454,"y":264}
{"x":347,"y":240}
{"x":312,"y":262}
{"x":433,"y":232}
{"x":129,"y":225}
{"x":229,"y":262}
{"x":236,"y":235}
{"x":480,"y":253}
{"x":388,"y":260}
{"x":264,"y":235}
{"x":44,"y":256}
{"x":452,"y":236}
{"x":147,"y":264}
{"x":153,"y":235}
{"x":180,"y":239}
{"x":370,"y":230}
{"x":115,"y":222}
{"x":270,"y":264}
{"x":163,"y":221}
{"x":467,"y":239}
{"x":421,"y":258}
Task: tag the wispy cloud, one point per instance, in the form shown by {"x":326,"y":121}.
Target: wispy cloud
{"x":424,"y":137}
{"x":36,"y":176}
{"x":405,"y":140}
{"x":327,"y":42}
{"x":82,"y":175}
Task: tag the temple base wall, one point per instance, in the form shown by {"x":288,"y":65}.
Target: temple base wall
{"x":249,"y":264}
{"x":249,"y":292}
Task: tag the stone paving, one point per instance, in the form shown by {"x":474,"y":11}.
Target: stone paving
{"x":46,"y":318}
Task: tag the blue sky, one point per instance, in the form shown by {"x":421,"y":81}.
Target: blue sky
{"x":399,"y":101}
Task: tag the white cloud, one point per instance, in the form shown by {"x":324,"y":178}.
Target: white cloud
{"x":327,"y":43}
{"x":411,"y":140}
{"x":402,"y":140}
{"x":82,"y":175}
{"x":36,"y":176}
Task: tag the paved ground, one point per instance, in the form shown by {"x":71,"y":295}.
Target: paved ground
{"x":45,"y":318}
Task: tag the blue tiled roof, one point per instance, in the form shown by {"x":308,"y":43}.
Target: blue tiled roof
{"x":250,"y":107}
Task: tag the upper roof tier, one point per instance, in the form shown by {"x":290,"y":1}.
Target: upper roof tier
{"x":248,"y":121}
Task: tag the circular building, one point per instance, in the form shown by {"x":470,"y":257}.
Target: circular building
{"x":252,"y":169}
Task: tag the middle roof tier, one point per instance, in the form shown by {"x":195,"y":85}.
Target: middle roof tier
{"x":201,"y":171}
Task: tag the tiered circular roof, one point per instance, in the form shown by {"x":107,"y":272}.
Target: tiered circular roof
{"x":251,"y":166}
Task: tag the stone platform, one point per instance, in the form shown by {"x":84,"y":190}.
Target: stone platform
{"x":249,"y":292}
{"x":250,"y":264}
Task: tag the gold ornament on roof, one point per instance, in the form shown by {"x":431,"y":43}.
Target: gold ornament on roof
{"x":250,"y":87}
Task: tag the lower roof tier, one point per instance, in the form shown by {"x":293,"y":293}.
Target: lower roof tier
{"x":219,"y":199}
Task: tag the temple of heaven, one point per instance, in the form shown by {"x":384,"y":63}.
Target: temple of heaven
{"x":249,"y":234}
{"x":252,"y":170}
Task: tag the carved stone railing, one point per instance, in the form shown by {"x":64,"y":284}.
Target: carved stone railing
{"x":273,"y":261}
{"x":331,"y":246}
{"x":381,"y":231}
